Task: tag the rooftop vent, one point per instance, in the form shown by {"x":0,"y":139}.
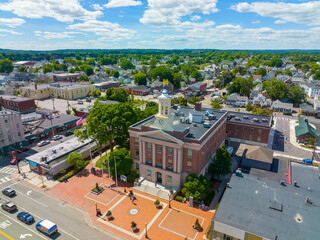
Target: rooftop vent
{"x":207,"y":124}
{"x":54,"y":150}
{"x":275,"y":205}
{"x":212,"y":117}
{"x":264,"y":120}
{"x":237,"y":118}
{"x":255,"y":120}
{"x":245,"y":117}
{"x":232,"y":115}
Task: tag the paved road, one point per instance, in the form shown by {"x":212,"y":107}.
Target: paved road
{"x":73,"y":223}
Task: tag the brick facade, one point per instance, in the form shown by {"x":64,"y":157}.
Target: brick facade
{"x":19,"y":104}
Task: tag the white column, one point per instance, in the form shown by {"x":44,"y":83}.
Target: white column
{"x":179,"y":160}
{"x":175,"y":160}
{"x":143,"y":152}
{"x":140,"y":151}
{"x":153,"y":154}
{"x":164,"y":158}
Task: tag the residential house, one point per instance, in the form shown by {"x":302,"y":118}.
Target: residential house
{"x":281,"y":106}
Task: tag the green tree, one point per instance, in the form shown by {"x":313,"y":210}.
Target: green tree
{"x":163,"y":73}
{"x":197,"y":75}
{"x":72,"y":70}
{"x":47,"y":68}
{"x":221,"y":163}
{"x":117,"y":94}
{"x":123,"y":160}
{"x":83,"y":78}
{"x":6,"y":66}
{"x":88,"y":70}
{"x":249,"y":107}
{"x":36,"y":69}
{"x":243,"y":86}
{"x":75,"y":159}
{"x":115,"y":73}
{"x":96,"y":93}
{"x":261,"y":71}
{"x":177,"y":79}
{"x":140,"y":78}
{"x":216,"y":104}
{"x":226,"y":77}
{"x":297,"y":94}
{"x":126,"y":64}
{"x":22,"y":69}
{"x":288,"y":72}
{"x":275,"y":62}
{"x":196,"y":187}
{"x":276,"y":89}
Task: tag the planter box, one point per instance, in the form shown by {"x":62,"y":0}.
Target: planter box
{"x":157,"y":205}
{"x":97,"y":192}
{"x":109,"y":216}
{"x":134,"y":228}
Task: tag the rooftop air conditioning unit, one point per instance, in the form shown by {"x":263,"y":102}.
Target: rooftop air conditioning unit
{"x":54,"y":150}
{"x":245,"y":117}
{"x":264,"y":120}
{"x":237,"y":118}
{"x":232,"y":115}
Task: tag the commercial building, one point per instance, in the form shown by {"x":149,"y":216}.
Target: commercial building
{"x":257,"y":157}
{"x":17,"y":103}
{"x":66,"y":77}
{"x":11,"y":131}
{"x":138,"y":90}
{"x":52,"y":160}
{"x":248,"y":128}
{"x":253,"y":208}
{"x":106,"y":85}
{"x":63,"y":90}
{"x":304,"y":131}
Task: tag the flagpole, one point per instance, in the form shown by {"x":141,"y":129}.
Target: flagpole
{"x":115,"y":167}
{"x":109,"y":173}
{"x":89,"y":145}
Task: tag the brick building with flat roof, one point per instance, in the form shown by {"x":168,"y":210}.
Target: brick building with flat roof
{"x":177,"y":141}
{"x":66,"y":77}
{"x":17,"y":103}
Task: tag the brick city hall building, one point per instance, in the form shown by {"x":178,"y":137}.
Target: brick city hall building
{"x":177,"y":141}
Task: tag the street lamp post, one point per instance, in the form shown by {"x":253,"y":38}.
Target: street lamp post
{"x":146,"y":236}
{"x":169,"y":200}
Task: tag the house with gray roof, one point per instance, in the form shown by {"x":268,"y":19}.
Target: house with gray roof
{"x":281,"y":106}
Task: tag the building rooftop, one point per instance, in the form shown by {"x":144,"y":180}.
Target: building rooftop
{"x":259,"y":153}
{"x":304,"y":127}
{"x":271,"y":210}
{"x":279,"y":104}
{"x":15,"y":98}
{"x":57,"y":85}
{"x":181,"y":122}
{"x":248,"y":118}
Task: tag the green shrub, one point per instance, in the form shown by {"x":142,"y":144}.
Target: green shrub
{"x":73,"y":172}
{"x":132,"y":177}
{"x":178,"y":198}
{"x":63,"y":171}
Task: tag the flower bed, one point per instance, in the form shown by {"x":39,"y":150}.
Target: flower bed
{"x":97,"y":190}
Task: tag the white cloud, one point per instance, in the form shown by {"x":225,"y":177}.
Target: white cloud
{"x":54,"y":35}
{"x":255,"y":22}
{"x":195,"y":18}
{"x":280,"y":22}
{"x":61,"y":10}
{"x":122,"y":3}
{"x":304,"y":13}
{"x":168,"y":13}
{"x":97,"y":7}
{"x":10,"y":31}
{"x":103,"y":28}
{"x":12,"y":22}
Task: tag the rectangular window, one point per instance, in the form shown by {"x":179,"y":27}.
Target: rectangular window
{"x":159,"y":161}
{"x":244,"y":129}
{"x":169,"y":179}
{"x":237,"y":127}
{"x":159,"y":149}
{"x":243,"y":136}
{"x":137,"y":165}
{"x":136,"y":141}
{"x":259,"y":139}
{"x":189,"y":165}
{"x":251,"y":130}
{"x":149,"y":159}
{"x":259,"y":131}
{"x":149,"y":173}
{"x":189,"y":153}
{"x":149,"y":146}
{"x":250,"y":137}
{"x":170,"y":163}
{"x":137,"y":152}
{"x":170,"y":151}
{"x":235,"y":135}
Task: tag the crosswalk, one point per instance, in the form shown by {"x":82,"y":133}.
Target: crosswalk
{"x":8,"y":170}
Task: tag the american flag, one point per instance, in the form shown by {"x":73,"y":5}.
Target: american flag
{"x":82,"y":120}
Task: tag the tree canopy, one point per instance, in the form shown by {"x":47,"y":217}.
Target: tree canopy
{"x":117,"y":94}
{"x":6,"y":66}
{"x":276,"y":89}
{"x":75,"y":159}
{"x":216,"y":104}
{"x":126,"y":64}
{"x":196,"y":187}
{"x":140,"y":78}
{"x":123,"y":160}
{"x":297,"y":94}
{"x":221,"y":163}
{"x":243,"y":86}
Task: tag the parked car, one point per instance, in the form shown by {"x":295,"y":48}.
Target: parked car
{"x":80,"y":101}
{"x":56,"y":137}
{"x":9,"y":192}
{"x":24,"y":149}
{"x":88,"y":99}
{"x":287,"y":113}
{"x":68,"y":133}
{"x":9,"y":206}
{"x":42,"y":143}
{"x":230,"y":150}
{"x":47,"y":227}
{"x":307,"y":161}
{"x":25,"y":217}
{"x":15,"y":160}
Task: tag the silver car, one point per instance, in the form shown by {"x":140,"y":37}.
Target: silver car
{"x":42,"y":143}
{"x":56,"y":137}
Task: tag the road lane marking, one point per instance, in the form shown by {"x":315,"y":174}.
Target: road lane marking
{"x":10,"y":185}
{"x":32,"y":199}
{"x":6,"y":235}
{"x":22,"y":226}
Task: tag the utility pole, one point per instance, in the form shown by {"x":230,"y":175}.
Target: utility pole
{"x":51,"y":124}
{"x":53,"y":107}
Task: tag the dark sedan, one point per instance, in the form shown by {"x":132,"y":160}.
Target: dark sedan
{"x":25,"y":217}
{"x":9,"y":192}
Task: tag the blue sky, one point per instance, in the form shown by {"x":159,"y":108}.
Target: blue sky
{"x":166,"y":24}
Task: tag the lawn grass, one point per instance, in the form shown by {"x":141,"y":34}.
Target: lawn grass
{"x":137,"y":103}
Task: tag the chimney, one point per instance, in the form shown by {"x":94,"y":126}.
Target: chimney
{"x":197,"y":106}
{"x":35,"y":87}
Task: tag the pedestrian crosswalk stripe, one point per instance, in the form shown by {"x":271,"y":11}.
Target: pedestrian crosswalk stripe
{"x":8,"y":170}
{"x":4,"y":180}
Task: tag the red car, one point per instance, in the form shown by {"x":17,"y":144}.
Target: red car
{"x":22,"y":150}
{"x":14,"y":161}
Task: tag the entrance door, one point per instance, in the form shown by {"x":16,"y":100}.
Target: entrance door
{"x":159,"y":177}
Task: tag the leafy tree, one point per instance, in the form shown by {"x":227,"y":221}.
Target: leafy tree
{"x":249,"y":107}
{"x":75,"y":159}
{"x":275,"y":62}
{"x":6,"y":66}
{"x":22,"y":69}
{"x":163,"y":73}
{"x":216,"y":104}
{"x":123,"y":160}
{"x":261,"y":71}
{"x":126,"y":64}
{"x":36,"y":69}
{"x":312,"y":142}
{"x":177,"y":79}
{"x":96,"y":93}
{"x":83,"y":78}
{"x":117,"y":94}
{"x":297,"y":94}
{"x":288,"y":72}
{"x":226,"y":77}
{"x":240,"y":70}
{"x":196,"y":187}
{"x":47,"y":68}
{"x":88,"y":70}
{"x":115,"y":73}
{"x":72,"y":70}
{"x":243,"y":86}
{"x":276,"y":89}
{"x":221,"y":163}
{"x":197,"y":75}
{"x":140,"y":78}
